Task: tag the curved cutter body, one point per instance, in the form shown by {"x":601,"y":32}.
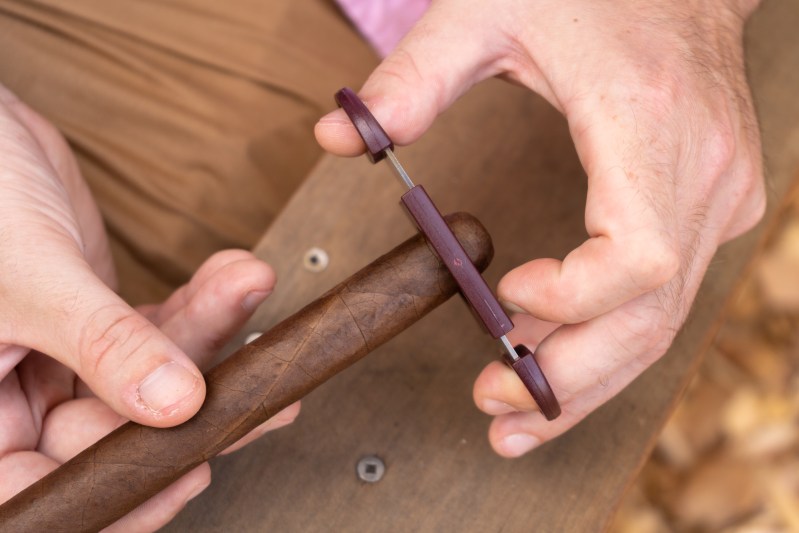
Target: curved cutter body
{"x":472,"y":285}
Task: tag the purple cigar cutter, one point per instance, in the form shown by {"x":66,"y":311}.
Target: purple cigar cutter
{"x":472,"y":285}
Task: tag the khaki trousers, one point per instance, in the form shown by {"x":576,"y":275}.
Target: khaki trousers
{"x":191,"y":119}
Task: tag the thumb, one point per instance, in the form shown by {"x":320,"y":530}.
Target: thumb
{"x":118,"y":353}
{"x":445,"y":54}
{"x":52,"y":301}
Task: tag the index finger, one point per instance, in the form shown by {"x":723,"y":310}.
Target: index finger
{"x":633,"y":249}
{"x":634,"y":243}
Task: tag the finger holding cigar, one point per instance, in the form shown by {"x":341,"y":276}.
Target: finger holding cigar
{"x":134,"y":462}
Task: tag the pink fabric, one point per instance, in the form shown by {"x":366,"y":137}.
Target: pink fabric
{"x":384,"y":22}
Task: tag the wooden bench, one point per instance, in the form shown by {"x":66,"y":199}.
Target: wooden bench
{"x":505,"y":156}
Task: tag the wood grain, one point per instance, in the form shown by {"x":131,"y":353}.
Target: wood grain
{"x":506,"y":156}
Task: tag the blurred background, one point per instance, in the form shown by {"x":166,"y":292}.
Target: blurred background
{"x":728,"y":459}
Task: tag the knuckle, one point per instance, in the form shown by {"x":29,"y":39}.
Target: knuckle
{"x":645,"y":334}
{"x":653,"y":261}
{"x":401,"y":66}
{"x":751,"y":195}
{"x":747,"y":195}
{"x":655,"y":88}
{"x":574,"y":301}
{"x":662,"y":90}
{"x":110,"y":333}
{"x":214,"y":335}
{"x":224,"y":257}
{"x":406,"y":72}
{"x":197,"y":310}
{"x":755,"y":210}
{"x":719,"y":148}
{"x":398,"y":70}
{"x":256,"y":275}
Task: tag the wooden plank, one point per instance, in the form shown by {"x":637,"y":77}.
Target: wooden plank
{"x":505,"y":156}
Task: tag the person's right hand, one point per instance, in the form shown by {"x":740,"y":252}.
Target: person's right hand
{"x":107,"y":362}
{"x":662,"y":120}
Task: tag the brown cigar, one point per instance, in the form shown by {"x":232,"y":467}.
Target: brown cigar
{"x":133,"y":463}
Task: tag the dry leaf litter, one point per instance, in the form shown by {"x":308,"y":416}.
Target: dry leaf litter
{"x":728,"y":459}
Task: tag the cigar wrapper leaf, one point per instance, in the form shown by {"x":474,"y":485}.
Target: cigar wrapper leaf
{"x":134,"y":462}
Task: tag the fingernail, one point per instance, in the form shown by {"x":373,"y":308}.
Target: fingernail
{"x":495,"y":407}
{"x":253,"y":299}
{"x":512,"y":307}
{"x":166,"y":387}
{"x":519,"y":444}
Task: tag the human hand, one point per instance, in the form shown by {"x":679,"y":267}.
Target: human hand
{"x":55,"y":272}
{"x":661,"y":116}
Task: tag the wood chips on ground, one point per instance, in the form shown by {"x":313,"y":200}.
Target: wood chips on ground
{"x":728,"y":459}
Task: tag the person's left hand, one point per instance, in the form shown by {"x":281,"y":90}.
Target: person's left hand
{"x":50,"y":415}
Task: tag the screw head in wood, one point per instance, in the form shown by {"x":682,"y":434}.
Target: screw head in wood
{"x":370,"y":468}
{"x":315,"y":260}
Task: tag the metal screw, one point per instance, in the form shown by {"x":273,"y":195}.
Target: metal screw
{"x":315,"y":260}
{"x":370,"y":469}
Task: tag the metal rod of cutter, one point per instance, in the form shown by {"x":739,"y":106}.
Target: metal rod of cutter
{"x":509,"y":347}
{"x":398,"y":170}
